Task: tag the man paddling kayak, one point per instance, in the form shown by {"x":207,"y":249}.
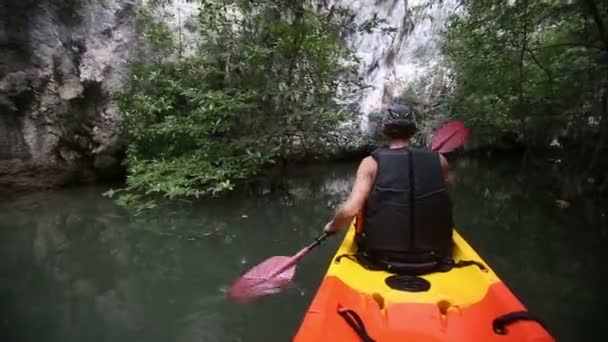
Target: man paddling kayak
{"x":400,"y":201}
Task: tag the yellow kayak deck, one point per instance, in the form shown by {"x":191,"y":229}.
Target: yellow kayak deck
{"x":459,"y":286}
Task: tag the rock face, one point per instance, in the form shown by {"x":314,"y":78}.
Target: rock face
{"x":60,"y":62}
{"x":405,"y":60}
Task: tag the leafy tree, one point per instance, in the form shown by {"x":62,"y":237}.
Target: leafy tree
{"x":260,"y":88}
{"x":535,"y":68}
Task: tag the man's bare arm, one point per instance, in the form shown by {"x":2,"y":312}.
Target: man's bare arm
{"x":445,"y":168}
{"x":361,"y":188}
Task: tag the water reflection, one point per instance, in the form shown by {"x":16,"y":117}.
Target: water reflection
{"x":76,"y":267}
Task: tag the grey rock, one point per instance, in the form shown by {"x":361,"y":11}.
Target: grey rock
{"x":58,"y":69}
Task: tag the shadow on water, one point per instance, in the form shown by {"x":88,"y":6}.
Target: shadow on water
{"x":75,"y":267}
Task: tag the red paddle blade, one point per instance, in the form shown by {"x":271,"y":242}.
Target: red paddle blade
{"x":268,"y":277}
{"x":449,"y":137}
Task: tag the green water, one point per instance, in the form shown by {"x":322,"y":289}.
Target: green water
{"x":76,"y":267}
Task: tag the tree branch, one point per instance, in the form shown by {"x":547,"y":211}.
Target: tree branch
{"x":589,"y":46}
{"x":547,"y":72}
{"x":524,"y":44}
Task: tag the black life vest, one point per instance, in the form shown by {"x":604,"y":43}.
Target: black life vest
{"x":408,"y":215}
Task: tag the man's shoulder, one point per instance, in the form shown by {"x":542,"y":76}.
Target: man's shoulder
{"x":425,"y":150}
{"x":380,"y":149}
{"x":369,"y":160}
{"x":368,"y":164}
{"x":420,"y":148}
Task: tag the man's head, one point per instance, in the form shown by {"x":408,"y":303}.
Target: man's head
{"x":399,"y":122}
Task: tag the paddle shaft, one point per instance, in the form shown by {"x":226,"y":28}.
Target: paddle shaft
{"x":294,"y":260}
{"x":319,"y":239}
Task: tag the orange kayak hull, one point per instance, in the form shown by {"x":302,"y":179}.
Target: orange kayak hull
{"x":461,"y":305}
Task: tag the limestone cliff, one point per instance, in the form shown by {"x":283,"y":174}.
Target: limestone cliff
{"x":60,"y":62}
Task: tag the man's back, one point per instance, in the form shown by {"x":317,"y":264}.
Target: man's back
{"x":400,"y":196}
{"x":408,"y":210}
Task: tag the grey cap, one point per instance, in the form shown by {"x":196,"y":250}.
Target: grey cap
{"x":399,"y":112}
{"x":399,"y":121}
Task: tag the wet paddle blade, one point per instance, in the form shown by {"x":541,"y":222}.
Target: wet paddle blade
{"x":449,"y":137}
{"x":271,"y":275}
{"x":268,"y":277}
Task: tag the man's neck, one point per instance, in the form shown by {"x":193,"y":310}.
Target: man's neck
{"x":399,"y":143}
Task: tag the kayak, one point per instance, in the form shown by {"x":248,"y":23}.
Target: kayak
{"x":468,"y":303}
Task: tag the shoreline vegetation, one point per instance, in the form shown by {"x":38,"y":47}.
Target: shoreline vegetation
{"x":256,"y":95}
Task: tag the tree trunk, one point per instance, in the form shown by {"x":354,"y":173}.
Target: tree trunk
{"x":591,"y":7}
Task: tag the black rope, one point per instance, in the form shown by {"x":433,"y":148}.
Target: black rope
{"x":352,"y":257}
{"x":448,"y":264}
{"x":465,"y":263}
{"x":355,"y":322}
{"x":500,"y":323}
{"x":442,"y":265}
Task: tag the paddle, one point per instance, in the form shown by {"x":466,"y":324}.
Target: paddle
{"x":449,"y":137}
{"x":272,"y":274}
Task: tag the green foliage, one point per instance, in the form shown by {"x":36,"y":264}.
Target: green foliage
{"x":429,"y":96}
{"x":533,"y":67}
{"x":261,"y":86}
